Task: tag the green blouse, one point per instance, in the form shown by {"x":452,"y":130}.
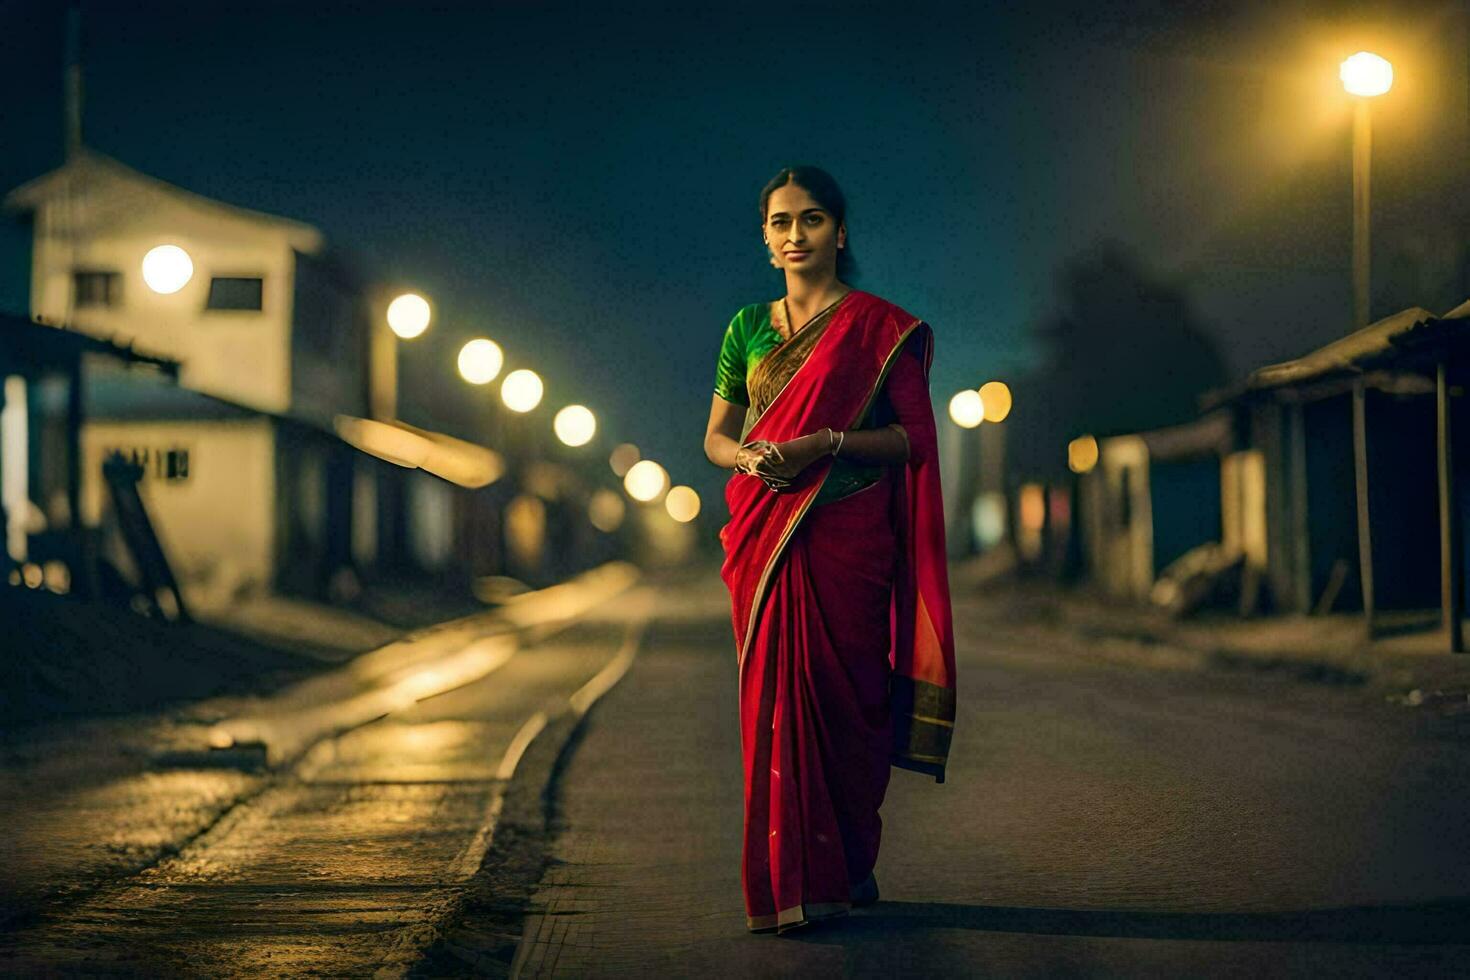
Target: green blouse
{"x":750,"y":337}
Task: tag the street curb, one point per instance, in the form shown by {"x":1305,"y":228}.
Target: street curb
{"x":278,"y":741}
{"x":482,"y":934}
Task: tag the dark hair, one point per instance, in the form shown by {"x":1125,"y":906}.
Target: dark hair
{"x":824,"y":190}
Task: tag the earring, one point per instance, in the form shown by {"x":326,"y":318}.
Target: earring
{"x":775,"y":263}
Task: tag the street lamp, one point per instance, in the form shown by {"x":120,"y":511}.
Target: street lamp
{"x":406,"y":317}
{"x":480,"y":361}
{"x":1082,"y":454}
{"x":1364,"y":75}
{"x":967,"y":409}
{"x":645,"y":481}
{"x":521,"y":390}
{"x":409,"y":315}
{"x":167,"y":269}
{"x":682,"y":503}
{"x":575,"y":425}
{"x":996,"y":398}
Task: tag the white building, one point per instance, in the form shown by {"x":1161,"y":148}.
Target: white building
{"x":258,"y":322}
{"x":272,"y":340}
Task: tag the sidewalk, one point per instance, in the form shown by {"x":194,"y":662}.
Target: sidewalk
{"x":1411,"y":668}
{"x":192,"y":719}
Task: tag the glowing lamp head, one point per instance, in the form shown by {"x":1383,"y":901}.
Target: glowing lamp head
{"x":682,"y":504}
{"x":521,"y":390}
{"x":1366,"y":74}
{"x":408,"y":315}
{"x":480,"y":361}
{"x":645,"y":480}
{"x":966,"y":409}
{"x":996,"y":398}
{"x":575,"y":425}
{"x":167,"y":269}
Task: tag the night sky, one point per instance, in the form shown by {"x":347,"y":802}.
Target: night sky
{"x":581,"y":186}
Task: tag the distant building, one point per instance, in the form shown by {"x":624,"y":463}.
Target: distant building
{"x":251,"y":489}
{"x":262,"y":321}
{"x":1154,"y":496}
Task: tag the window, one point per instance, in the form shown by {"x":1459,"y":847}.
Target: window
{"x":235,"y":293}
{"x":95,"y":288}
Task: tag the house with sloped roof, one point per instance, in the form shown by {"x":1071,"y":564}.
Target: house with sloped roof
{"x":252,"y":481}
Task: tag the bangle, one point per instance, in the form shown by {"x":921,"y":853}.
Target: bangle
{"x":840,"y":436}
{"x":831,"y":441}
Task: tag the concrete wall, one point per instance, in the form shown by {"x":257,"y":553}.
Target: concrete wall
{"x":1121,"y":550}
{"x":217,"y":526}
{"x":109,"y":224}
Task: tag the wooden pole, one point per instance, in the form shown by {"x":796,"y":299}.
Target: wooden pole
{"x":1362,"y":161}
{"x":1360,"y":468}
{"x":1450,"y":568}
{"x":1301,"y":545}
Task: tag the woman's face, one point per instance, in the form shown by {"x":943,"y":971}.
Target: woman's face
{"x":801,"y":232}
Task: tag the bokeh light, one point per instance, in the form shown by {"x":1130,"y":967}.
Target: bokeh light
{"x":575,"y":425}
{"x":1082,"y":454}
{"x":623,"y":458}
{"x":995,"y":396}
{"x":167,"y":269}
{"x":521,"y":390}
{"x":525,"y":529}
{"x":1033,"y":506}
{"x":606,"y":510}
{"x":480,"y":361}
{"x":409,"y":315}
{"x":645,"y":480}
{"x":966,"y":409}
{"x":682,"y":504}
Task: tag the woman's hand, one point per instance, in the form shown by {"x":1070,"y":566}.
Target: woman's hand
{"x":778,"y":463}
{"x":746,"y":457}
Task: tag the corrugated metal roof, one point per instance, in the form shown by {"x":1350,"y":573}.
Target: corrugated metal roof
{"x":1342,"y":354}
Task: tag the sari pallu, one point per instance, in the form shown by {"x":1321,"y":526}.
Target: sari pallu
{"x":842,"y":626}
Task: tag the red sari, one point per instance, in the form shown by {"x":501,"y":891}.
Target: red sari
{"x":842,"y":623}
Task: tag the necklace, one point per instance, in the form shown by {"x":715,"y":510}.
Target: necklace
{"x":786,"y":311}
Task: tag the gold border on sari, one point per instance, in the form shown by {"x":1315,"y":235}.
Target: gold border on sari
{"x":797,"y":915}
{"x":760,"y":588}
{"x":923,"y":725}
{"x":797,"y":346}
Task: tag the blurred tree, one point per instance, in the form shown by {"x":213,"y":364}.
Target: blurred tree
{"x":1123,"y":352}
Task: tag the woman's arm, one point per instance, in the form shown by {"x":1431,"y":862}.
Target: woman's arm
{"x":722,"y":434}
{"x":911,"y":436}
{"x":887,"y":446}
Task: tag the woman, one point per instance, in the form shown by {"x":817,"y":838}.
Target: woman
{"x":834,"y":557}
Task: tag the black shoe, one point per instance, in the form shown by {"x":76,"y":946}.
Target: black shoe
{"x":866,"y":893}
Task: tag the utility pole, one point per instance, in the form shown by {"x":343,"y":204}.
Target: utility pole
{"x":73,"y":79}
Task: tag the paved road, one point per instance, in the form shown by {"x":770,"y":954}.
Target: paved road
{"x":347,"y":863}
{"x":1110,"y":812}
{"x":1101,"y":818}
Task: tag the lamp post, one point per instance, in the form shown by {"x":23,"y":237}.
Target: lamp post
{"x":406,"y":317}
{"x":1364,"y":75}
